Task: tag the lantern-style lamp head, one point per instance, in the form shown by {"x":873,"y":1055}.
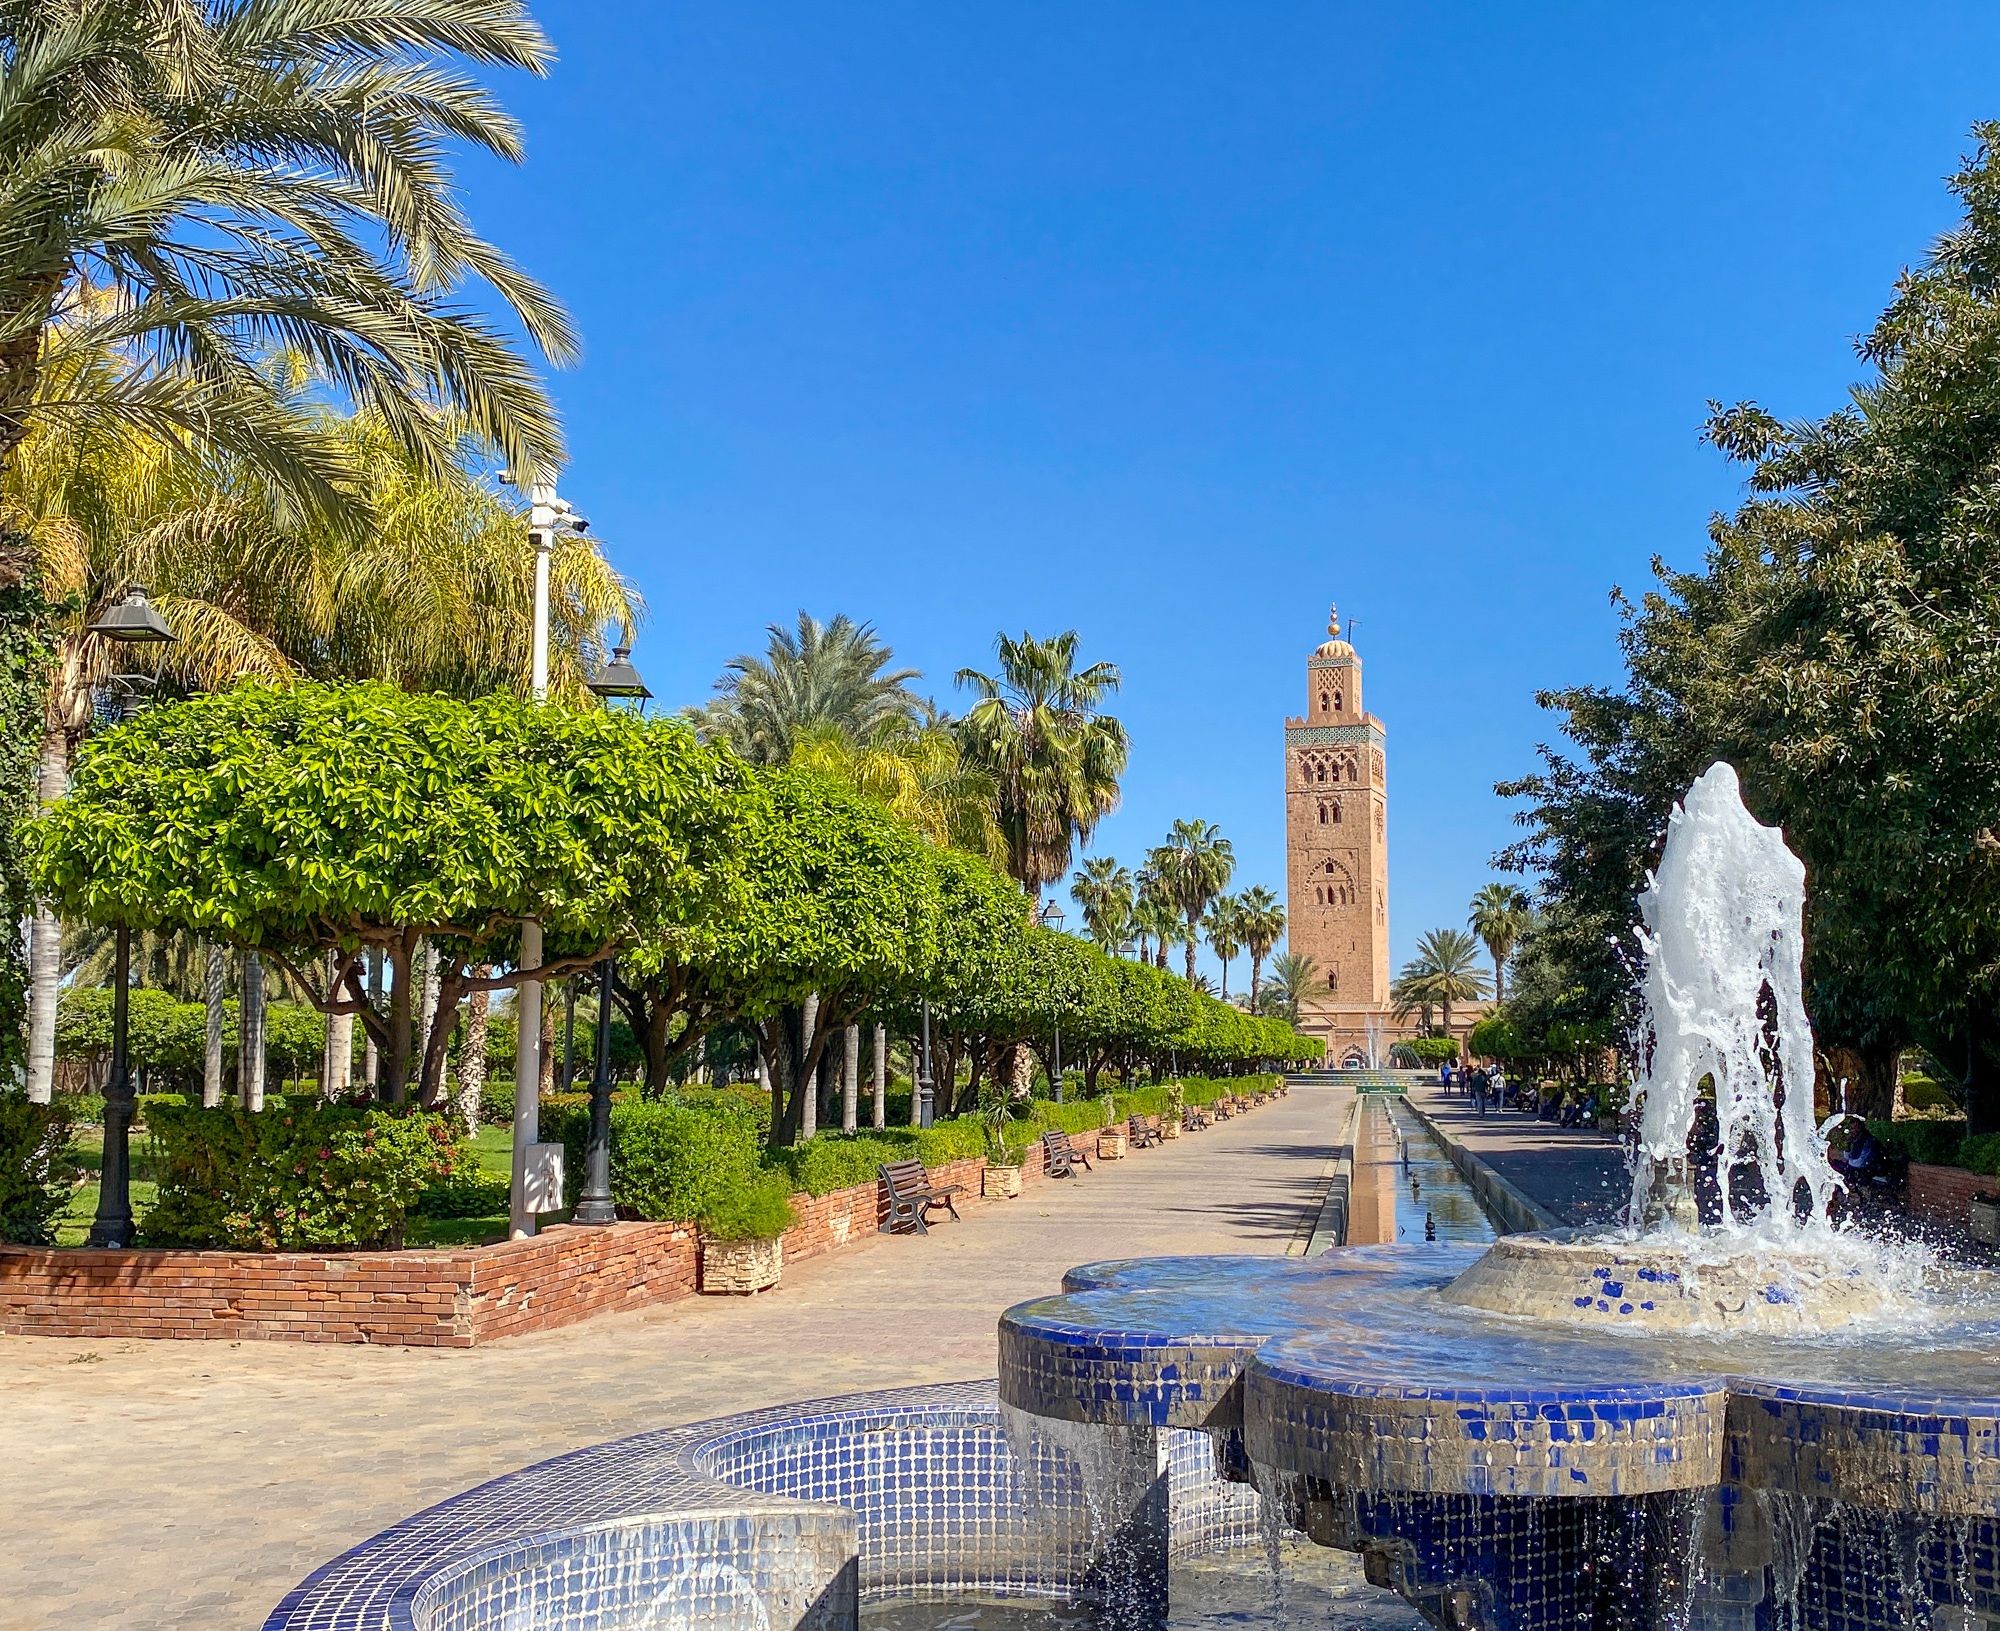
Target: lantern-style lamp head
{"x":618,"y":678}
{"x":131,"y":620}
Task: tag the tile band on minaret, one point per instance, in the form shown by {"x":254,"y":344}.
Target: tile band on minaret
{"x":1337,"y":857}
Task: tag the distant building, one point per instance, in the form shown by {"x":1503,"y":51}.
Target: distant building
{"x":1337,"y":862}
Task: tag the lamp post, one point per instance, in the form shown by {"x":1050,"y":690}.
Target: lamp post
{"x":617,"y":678}
{"x":129,"y":621}
{"x":1052,"y":918}
{"x":926,"y":1088}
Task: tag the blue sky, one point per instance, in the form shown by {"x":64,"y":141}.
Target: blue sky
{"x":1171,"y":323}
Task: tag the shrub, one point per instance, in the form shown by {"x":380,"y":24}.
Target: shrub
{"x":466,"y":1190}
{"x":291,"y":1178}
{"x":1981,"y":1154}
{"x":669,"y":1161}
{"x":1431,"y":1050}
{"x":1922,"y":1093}
{"x":1933,"y":1143}
{"x":758,"y":1210}
{"x":37,"y":1166}
{"x":496,"y":1101}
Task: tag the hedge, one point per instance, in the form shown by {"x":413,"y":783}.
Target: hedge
{"x":37,"y":1166}
{"x":670,"y":1160}
{"x":1933,"y":1143}
{"x":300,"y":1177}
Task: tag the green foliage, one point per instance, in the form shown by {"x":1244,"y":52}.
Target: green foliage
{"x":466,"y":1192}
{"x":760,"y":1209}
{"x":1934,"y":1143}
{"x":1921,"y":1093}
{"x":167,"y":1039}
{"x":301,"y":1176}
{"x":37,"y":1165}
{"x":26,"y":649}
{"x":669,"y":1161}
{"x":1494,"y":1038}
{"x":1981,"y":1154}
{"x":1431,"y":1050}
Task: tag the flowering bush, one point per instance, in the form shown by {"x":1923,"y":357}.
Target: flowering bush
{"x":305,"y":1176}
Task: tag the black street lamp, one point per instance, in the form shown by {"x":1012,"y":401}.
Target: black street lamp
{"x":617,"y":678}
{"x":926,"y":1088}
{"x":594,"y":1204}
{"x":129,"y":621}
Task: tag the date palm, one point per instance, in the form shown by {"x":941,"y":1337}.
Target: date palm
{"x":1102,"y":890}
{"x":191,"y":185}
{"x":1444,"y":971}
{"x":1263,"y":927}
{"x":1055,"y":759}
{"x":1292,"y":976}
{"x":1223,"y":922}
{"x":1155,"y":916}
{"x":811,"y":680}
{"x":1499,"y":913}
{"x":1194,"y":865}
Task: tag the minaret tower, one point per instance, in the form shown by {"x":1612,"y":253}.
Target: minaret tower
{"x":1336,"y":855}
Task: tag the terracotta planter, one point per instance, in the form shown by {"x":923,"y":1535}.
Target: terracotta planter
{"x":1170,"y":1128}
{"x":738,"y":1267}
{"x":1000,"y":1183}
{"x":1111,"y":1144}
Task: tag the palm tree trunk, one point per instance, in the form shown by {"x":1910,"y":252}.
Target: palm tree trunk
{"x":850,"y":1079}
{"x":214,"y":988}
{"x":45,"y":941}
{"x":805,"y":1081}
{"x":472,"y":1074}
{"x":881,"y":1064}
{"x":250,"y":1058}
{"x":1194,"y":935}
{"x":1225,"y":979}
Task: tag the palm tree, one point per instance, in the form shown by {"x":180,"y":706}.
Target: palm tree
{"x":256,"y":176}
{"x":818,"y":678}
{"x":1054,"y":758}
{"x":1263,"y":926}
{"x":1292,"y":976}
{"x":918,"y":773}
{"x":1193,"y":866}
{"x":1153,"y":914}
{"x":1443,"y":972}
{"x":1102,"y":890}
{"x":1499,"y":913}
{"x":1224,"y":922}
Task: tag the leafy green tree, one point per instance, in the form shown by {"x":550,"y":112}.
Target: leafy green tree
{"x":336,"y":819}
{"x":257,"y":176}
{"x":1193,"y":866}
{"x":1500,"y":912}
{"x":1055,"y":759}
{"x":1263,"y":928}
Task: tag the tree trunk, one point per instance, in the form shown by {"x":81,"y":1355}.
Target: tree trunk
{"x":396,"y":1078}
{"x":850,"y":1079}
{"x":881,"y":1075}
{"x":805,"y":1080}
{"x":427,"y":1020}
{"x":1256,"y":974}
{"x":250,"y":1060}
{"x":45,"y":941}
{"x":214,"y":991}
{"x":371,"y":1055}
{"x":916,"y":1066}
{"x":327,"y":1089}
{"x":472,"y":1073}
{"x":1192,"y":934}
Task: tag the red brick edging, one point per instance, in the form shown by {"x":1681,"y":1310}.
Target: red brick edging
{"x":450,"y":1299}
{"x":1944,"y":1194}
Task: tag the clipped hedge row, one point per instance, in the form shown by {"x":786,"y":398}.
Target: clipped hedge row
{"x":299,"y":1178}
{"x":37,"y":1166}
{"x":1933,"y":1143}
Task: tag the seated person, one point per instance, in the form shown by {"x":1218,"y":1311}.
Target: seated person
{"x":1865,"y":1158}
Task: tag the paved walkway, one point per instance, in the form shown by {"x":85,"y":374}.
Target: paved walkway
{"x":1578,"y":1174}
{"x":164,"y":1485}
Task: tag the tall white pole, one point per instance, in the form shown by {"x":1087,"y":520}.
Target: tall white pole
{"x":528,"y":995}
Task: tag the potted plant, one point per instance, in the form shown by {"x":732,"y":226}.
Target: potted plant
{"x":1111,"y":1140}
{"x":1170,"y":1123}
{"x":1001,"y":1178}
{"x":742,"y":1237}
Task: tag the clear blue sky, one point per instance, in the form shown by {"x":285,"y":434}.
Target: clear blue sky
{"x":1170,"y":323}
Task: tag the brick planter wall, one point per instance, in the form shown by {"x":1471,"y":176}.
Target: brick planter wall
{"x":1944,"y":1194}
{"x":456,"y":1298}
{"x":452,"y":1299}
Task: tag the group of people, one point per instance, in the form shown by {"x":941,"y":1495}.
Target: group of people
{"x":1478,"y":1083}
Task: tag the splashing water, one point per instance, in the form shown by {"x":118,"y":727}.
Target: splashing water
{"x":1723,"y":939}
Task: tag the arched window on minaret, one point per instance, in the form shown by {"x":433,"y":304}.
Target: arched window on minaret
{"x":1353,"y":771}
{"x":1333,"y":979}
{"x":1322,"y":702}
{"x":1337,"y":705}
{"x":1322,"y":812}
{"x":1336,"y":812}
{"x":1320,"y":773}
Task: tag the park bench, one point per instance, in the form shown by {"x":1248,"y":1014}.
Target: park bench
{"x":1060,"y":1156}
{"x":1194,"y":1118}
{"x":1220,"y":1110}
{"x":912,"y":1195}
{"x":1142,"y":1131}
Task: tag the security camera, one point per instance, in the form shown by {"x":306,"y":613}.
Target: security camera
{"x":505,"y":478}
{"x":579,"y":523}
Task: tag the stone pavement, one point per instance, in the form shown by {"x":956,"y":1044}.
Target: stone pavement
{"x":163,"y":1485}
{"x":1577,"y":1173}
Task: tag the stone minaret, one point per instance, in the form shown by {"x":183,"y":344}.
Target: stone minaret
{"x":1336,"y":854}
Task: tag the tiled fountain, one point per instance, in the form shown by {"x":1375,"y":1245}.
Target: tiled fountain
{"x":1750,"y":1422}
{"x":1755,"y":1421}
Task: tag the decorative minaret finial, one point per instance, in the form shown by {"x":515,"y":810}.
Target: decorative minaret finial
{"x":1333,"y":621}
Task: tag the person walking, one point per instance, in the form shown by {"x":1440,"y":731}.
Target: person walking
{"x":1479,"y":1091}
